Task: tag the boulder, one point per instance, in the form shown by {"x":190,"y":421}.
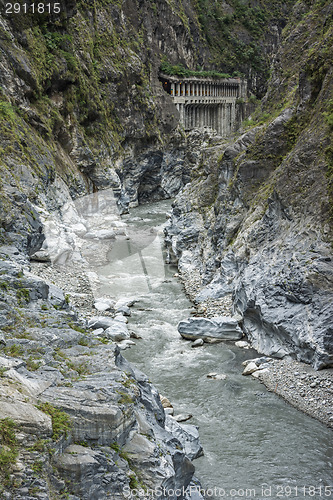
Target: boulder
{"x":243,"y":344}
{"x":100,"y":322}
{"x":250,"y":368}
{"x":210,"y":329}
{"x":123,"y":309}
{"x":56,"y":296}
{"x":103,"y":304}
{"x":117,"y":331}
{"x":182,"y":417}
{"x":188,"y":435}
{"x":121,"y":318}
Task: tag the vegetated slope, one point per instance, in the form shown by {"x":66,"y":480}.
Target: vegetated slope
{"x":258,"y":214}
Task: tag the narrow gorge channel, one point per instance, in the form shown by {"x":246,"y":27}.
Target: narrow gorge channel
{"x":252,"y":439}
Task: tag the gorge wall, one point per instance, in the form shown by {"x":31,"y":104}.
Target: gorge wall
{"x":256,"y":219}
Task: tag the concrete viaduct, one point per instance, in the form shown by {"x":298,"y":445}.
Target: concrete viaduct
{"x":206,"y":101}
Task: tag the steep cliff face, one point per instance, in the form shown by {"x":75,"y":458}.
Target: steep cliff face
{"x":257,"y":217}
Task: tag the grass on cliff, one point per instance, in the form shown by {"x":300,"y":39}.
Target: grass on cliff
{"x":8,"y":446}
{"x":61,"y":424}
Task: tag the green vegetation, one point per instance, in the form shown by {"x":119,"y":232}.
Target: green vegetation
{"x":7,"y":111}
{"x":3,"y":370}
{"x":81,"y":368}
{"x":37,"y":467}
{"x":33,"y":365}
{"x":14,"y":350}
{"x":60,"y":420}
{"x":329,"y":114}
{"x":180,"y":70}
{"x":77,"y":328}
{"x":40,"y":445}
{"x":125,"y":398}
{"x":23,"y":296}
{"x":235,"y":32}
{"x":8,"y":446}
{"x":117,"y":448}
{"x":83,"y":341}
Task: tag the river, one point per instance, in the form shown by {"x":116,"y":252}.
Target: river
{"x":255,"y":444}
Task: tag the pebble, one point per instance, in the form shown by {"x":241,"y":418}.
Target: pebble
{"x":182,"y":417}
{"x":197,"y":343}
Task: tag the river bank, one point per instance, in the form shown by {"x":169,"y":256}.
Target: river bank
{"x":220,"y":406}
{"x":298,"y":383}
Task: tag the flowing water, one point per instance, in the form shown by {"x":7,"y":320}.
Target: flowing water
{"x":256,"y":445}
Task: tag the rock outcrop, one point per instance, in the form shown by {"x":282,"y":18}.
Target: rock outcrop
{"x":87,"y":424}
{"x":255,"y":221}
{"x":213,"y":329}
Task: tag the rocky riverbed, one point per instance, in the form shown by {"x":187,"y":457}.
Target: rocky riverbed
{"x":302,"y":386}
{"x":77,"y":420}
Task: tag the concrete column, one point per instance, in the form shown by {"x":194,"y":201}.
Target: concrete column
{"x":219,"y":119}
{"x":229,"y":118}
{"x":173,"y":89}
{"x":182,"y":116}
{"x":233,"y":115}
{"x":177,"y":89}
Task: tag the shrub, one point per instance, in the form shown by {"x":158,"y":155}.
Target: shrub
{"x":60,"y":420}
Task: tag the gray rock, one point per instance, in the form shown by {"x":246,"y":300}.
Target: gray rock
{"x":99,"y":332}
{"x":208,"y":329}
{"x":182,"y":417}
{"x":41,"y":256}
{"x":250,"y":368}
{"x":187,"y":434}
{"x":103,"y":304}
{"x":243,"y":344}
{"x":121,"y":318}
{"x":56,"y":296}
{"x":117,"y":331}
{"x":198,"y":343}
{"x":123,"y":309}
{"x":100,"y":322}
{"x":124,"y":302}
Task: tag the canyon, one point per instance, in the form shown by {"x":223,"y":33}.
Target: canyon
{"x":88,"y":133}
